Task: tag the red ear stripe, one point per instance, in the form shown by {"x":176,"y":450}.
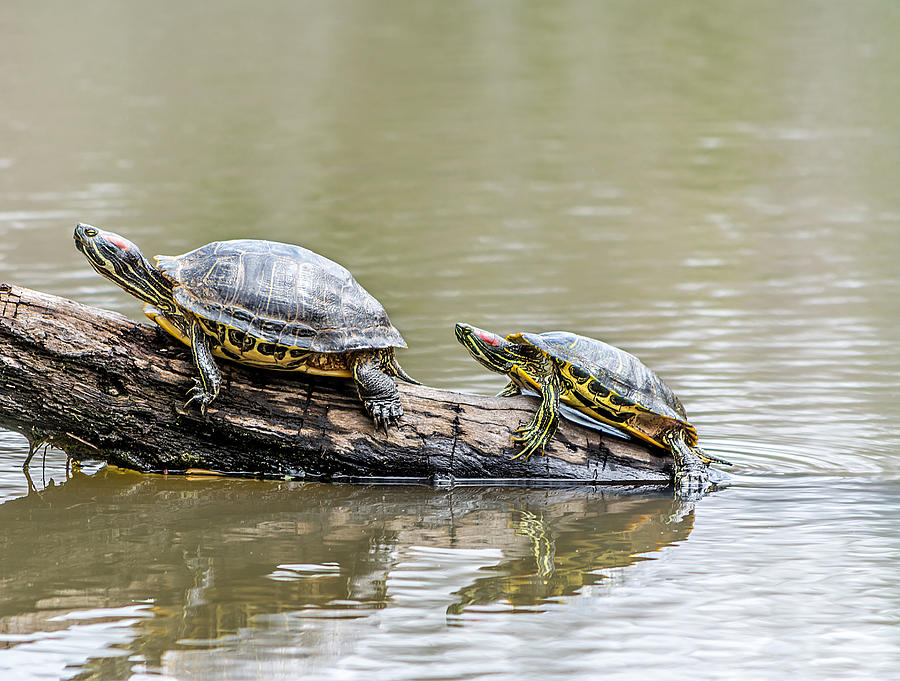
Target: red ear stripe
{"x":488,"y":338}
{"x":121,"y":243}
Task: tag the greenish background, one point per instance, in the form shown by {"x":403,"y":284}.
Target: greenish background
{"x":712,"y":186}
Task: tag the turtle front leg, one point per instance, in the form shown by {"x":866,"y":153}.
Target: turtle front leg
{"x":207,"y":386}
{"x":536,"y":434}
{"x":377,"y":389}
{"x":691,"y":475}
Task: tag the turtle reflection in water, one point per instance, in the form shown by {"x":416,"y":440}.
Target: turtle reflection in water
{"x":261,"y":303}
{"x":600,"y":381}
{"x":569,"y":541}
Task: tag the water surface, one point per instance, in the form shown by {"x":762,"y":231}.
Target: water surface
{"x":711,"y":187}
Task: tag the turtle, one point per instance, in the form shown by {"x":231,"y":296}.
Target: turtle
{"x":598,"y":380}
{"x":264,"y":304}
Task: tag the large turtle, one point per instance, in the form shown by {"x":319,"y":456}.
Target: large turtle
{"x":261,"y":303}
{"x":596,"y":379}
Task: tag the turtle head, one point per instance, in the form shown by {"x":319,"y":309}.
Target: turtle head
{"x":116,"y":258}
{"x":494,"y":352}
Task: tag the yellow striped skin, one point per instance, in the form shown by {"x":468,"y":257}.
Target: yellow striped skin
{"x":247,"y":351}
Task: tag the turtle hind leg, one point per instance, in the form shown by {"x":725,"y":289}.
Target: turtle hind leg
{"x":691,"y":477}
{"x":540,"y":430}
{"x":377,"y":389}
{"x":206,"y":388}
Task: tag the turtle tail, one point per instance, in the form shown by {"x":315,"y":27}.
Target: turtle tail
{"x":708,"y":459}
{"x":394,"y":369}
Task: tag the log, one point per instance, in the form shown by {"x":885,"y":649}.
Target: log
{"x":100,"y":386}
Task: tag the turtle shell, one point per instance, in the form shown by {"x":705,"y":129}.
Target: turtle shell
{"x":279,"y":293}
{"x":611,"y":384}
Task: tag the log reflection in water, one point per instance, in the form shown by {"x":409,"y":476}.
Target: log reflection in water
{"x":206,"y":556}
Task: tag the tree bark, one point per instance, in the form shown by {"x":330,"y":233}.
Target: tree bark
{"x":100,"y":386}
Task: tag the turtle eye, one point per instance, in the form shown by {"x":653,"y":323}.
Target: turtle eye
{"x":90,"y":232}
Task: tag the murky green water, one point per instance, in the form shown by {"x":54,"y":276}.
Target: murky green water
{"x":712,"y":186}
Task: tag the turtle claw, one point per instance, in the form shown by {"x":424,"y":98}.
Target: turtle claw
{"x":527,"y":452}
{"x":534,"y":443}
{"x":385,"y":413}
{"x":522,"y":454}
{"x":526,"y":432}
{"x":199,"y":396}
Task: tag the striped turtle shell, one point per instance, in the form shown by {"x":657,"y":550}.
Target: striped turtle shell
{"x":627,"y":380}
{"x":279,"y":293}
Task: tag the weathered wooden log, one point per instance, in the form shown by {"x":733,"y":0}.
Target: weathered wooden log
{"x":100,"y":386}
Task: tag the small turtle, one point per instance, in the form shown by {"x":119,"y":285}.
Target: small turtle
{"x":598,"y":380}
{"x":261,"y":303}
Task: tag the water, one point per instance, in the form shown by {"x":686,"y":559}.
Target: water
{"x":710,"y":186}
